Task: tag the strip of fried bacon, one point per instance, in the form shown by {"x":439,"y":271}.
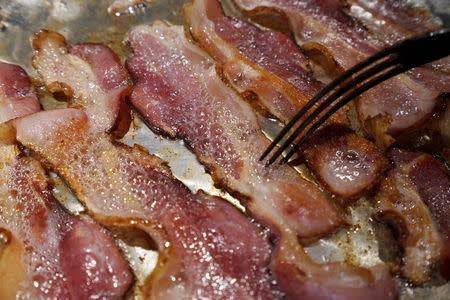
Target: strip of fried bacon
{"x":268,"y":64}
{"x":179,"y":93}
{"x":415,"y":198}
{"x":47,"y":253}
{"x":220,"y":127}
{"x":392,"y":21}
{"x":334,"y":38}
{"x":208,"y":248}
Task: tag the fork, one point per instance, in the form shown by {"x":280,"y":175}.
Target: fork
{"x":399,"y":58}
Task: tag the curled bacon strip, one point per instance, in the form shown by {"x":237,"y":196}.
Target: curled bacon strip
{"x":268,"y":64}
{"x":208,"y":249}
{"x":48,"y":252}
{"x":178,"y":92}
{"x":347,"y":164}
{"x":90,"y":71}
{"x":415,"y":197}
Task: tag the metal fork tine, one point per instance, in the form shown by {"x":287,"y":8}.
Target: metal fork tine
{"x":342,"y":90}
{"x":329,"y":87}
{"x":395,"y":71}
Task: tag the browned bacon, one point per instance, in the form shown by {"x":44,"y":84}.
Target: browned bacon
{"x":270,"y":65}
{"x":208,"y":249}
{"x":325,"y":30}
{"x":415,"y":197}
{"x":48,"y":253}
{"x":17,"y":97}
{"x":178,"y":92}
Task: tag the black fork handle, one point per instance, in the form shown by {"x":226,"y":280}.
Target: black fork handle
{"x":424,"y":48}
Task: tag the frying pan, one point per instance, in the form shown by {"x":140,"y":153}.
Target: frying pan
{"x":85,"y":20}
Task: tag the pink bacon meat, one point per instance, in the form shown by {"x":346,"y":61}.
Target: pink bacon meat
{"x":208,"y":249}
{"x":49,"y":253}
{"x":179,"y":93}
{"x":324,"y":29}
{"x":268,"y":64}
{"x":415,"y":197}
{"x":17,"y":97}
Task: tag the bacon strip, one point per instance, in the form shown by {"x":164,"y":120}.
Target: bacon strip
{"x":208,"y":249}
{"x":220,"y":127}
{"x":325,"y":30}
{"x":270,"y":65}
{"x":179,"y":93}
{"x":17,"y":97}
{"x":266,"y":63}
{"x":49,"y":253}
{"x":416,"y":191}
